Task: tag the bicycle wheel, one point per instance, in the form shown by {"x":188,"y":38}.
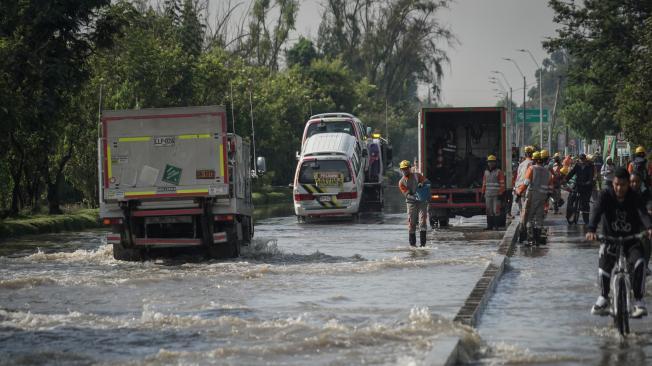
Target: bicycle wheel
{"x":621,"y":318}
{"x":572,"y":209}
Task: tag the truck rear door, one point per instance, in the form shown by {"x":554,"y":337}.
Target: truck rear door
{"x":164,"y":153}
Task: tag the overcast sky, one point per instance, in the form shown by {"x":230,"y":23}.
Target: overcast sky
{"x":487,"y":31}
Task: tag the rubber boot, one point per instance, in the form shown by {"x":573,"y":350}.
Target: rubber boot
{"x":494,"y":222}
{"x":413,"y":239}
{"x":531,"y":240}
{"x":422,"y":238}
{"x":490,"y":224}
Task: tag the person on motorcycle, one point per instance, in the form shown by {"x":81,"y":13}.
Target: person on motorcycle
{"x":536,"y":188}
{"x":557,"y":177}
{"x":584,"y":174}
{"x":417,"y":210}
{"x":493,"y":188}
{"x":520,"y":174}
{"x":622,"y":213}
{"x":641,"y":166}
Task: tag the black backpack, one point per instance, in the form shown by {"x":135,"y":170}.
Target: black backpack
{"x":640,"y":166}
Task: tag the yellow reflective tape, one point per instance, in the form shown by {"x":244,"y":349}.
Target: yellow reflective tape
{"x":134,"y":139}
{"x":148,"y":193}
{"x":204,"y":190}
{"x":222,"y":162}
{"x":195,"y":136}
{"x":108,"y":162}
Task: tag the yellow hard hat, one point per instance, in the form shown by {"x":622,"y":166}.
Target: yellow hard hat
{"x":529,"y":149}
{"x":640,"y":150}
{"x":564,"y":170}
{"x":545,"y":154}
{"x":536,"y":155}
{"x":491,"y":158}
{"x":589,"y":157}
{"x":404,"y":164}
{"x":556,"y":155}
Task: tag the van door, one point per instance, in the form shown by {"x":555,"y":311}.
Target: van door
{"x":323,"y":181}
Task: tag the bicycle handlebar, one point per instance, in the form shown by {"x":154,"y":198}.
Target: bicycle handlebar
{"x":621,"y":239}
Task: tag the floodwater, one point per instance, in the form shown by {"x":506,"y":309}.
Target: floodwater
{"x":540,"y":313}
{"x":328,"y":293}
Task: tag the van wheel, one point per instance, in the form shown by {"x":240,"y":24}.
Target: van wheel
{"x":301,"y":219}
{"x":443,"y":221}
{"x":127,"y":254}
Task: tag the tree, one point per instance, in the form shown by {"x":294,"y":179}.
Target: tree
{"x":600,"y":38}
{"x":302,"y":53}
{"x":46,"y":46}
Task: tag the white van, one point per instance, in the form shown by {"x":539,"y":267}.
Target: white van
{"x":330,"y":177}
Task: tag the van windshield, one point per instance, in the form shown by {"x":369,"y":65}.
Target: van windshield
{"x":335,"y":126}
{"x":324,"y":172}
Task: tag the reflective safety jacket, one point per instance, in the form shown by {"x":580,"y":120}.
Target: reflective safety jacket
{"x":493,"y":183}
{"x":522,"y":169}
{"x":409,"y":183}
{"x":537,"y":180}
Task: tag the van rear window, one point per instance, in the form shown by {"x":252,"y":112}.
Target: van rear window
{"x":324,"y":172}
{"x":325,"y":127}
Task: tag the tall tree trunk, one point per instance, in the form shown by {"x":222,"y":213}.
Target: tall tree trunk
{"x":54,"y":202}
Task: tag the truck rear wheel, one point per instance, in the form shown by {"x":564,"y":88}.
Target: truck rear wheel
{"x":127,"y":254}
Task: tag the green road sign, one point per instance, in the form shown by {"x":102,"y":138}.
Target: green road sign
{"x":172,"y":174}
{"x":531,"y":115}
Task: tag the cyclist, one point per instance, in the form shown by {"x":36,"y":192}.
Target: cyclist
{"x":557,"y":177}
{"x":622,"y":213}
{"x":584,"y":174}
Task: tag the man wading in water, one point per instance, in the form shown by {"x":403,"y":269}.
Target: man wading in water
{"x":417,"y":210}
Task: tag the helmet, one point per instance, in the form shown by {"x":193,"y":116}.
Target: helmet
{"x":582,"y":156}
{"x":529,"y":149}
{"x":564,"y":170}
{"x":536,"y":155}
{"x":640,"y":150}
{"x":491,"y":158}
{"x":545,"y":154}
{"x":556,"y":155}
{"x":589,"y":157}
{"x":404,"y":164}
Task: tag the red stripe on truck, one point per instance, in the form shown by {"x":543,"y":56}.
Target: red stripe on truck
{"x":188,"y":211}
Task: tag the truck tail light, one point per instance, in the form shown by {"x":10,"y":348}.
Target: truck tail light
{"x":113,"y":221}
{"x":223,"y":217}
{"x":304,"y":197}
{"x":347,"y":195}
{"x":438,"y":197}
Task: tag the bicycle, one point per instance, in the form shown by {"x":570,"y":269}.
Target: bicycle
{"x":620,"y":291}
{"x":573,"y":205}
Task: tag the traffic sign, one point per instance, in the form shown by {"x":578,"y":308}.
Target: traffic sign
{"x":531,"y":115}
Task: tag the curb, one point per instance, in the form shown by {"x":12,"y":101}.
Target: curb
{"x":449,"y":351}
{"x":446,"y":352}
{"x":474,"y":305}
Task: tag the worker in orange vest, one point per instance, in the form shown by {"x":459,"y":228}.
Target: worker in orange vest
{"x":493,"y":188}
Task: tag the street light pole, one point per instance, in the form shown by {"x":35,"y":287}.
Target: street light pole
{"x":524,"y":90}
{"x":514,"y":130}
{"x":540,"y":102}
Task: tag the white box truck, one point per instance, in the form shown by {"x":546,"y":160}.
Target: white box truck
{"x":174,"y":177}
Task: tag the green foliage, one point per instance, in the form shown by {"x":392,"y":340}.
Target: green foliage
{"x":83,"y":219}
{"x":57,"y":59}
{"x":601,"y":38}
{"x":302,"y":53}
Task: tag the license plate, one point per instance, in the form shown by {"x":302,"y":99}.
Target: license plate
{"x":325,"y":198}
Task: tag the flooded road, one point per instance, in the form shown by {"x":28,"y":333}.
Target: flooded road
{"x":332,"y":293}
{"x":540,"y":313}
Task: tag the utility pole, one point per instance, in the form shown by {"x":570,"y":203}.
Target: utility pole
{"x":524,"y":90}
{"x":554,"y":115}
{"x":253,"y":131}
{"x":540,"y":100}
